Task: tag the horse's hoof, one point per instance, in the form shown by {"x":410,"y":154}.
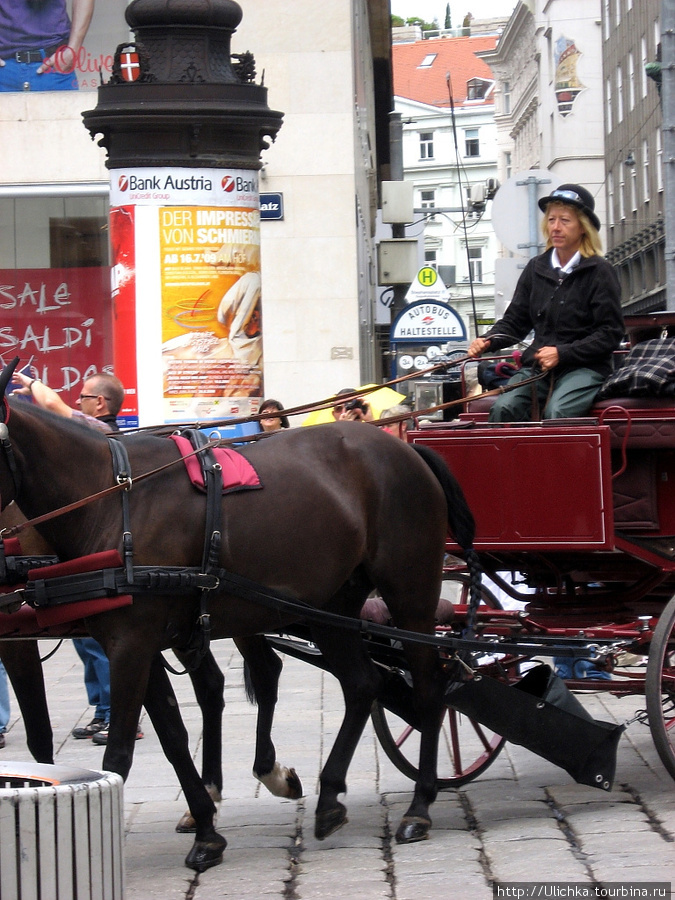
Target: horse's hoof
{"x":281,"y":782}
{"x":328,"y":822}
{"x":205,"y":854}
{"x":294,"y":785}
{"x":413,"y":828}
{"x":187,"y":824}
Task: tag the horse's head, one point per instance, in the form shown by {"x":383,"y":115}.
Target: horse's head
{"x":8,"y":472}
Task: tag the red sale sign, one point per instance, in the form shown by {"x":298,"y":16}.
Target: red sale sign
{"x":60,"y":321}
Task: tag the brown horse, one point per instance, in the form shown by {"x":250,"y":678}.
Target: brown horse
{"x":344,"y":509}
{"x":21,"y":658}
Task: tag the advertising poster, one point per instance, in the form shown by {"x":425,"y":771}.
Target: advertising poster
{"x":123,"y":292}
{"x":60,"y":321}
{"x":197,"y":257}
{"x":59,"y":45}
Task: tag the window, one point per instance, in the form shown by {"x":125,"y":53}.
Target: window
{"x":619,"y":94}
{"x":506,"y":98}
{"x":618,"y":12}
{"x":644,"y":61}
{"x":55,"y":276}
{"x":508,"y":164}
{"x":476,"y":88}
{"x":428,"y":61}
{"x":645,"y":171}
{"x":431,"y":259}
{"x":659,"y":161}
{"x":605,"y":19}
{"x":471,"y":144}
{"x":610,"y":193}
{"x":608,"y":103}
{"x":428,"y":201}
{"x":631,"y":82}
{"x":426,"y":145}
{"x":476,"y":264}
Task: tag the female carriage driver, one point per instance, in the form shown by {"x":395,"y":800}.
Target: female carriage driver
{"x":570,"y":297}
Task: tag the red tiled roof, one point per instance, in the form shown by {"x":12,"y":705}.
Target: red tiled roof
{"x":428,"y":84}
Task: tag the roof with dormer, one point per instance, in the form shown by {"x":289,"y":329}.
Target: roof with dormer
{"x":421,"y":68}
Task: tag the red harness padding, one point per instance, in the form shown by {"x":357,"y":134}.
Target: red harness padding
{"x":238,"y":473}
{"x":48,"y":616}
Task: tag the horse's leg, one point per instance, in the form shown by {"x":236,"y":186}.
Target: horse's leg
{"x":160,"y":702}
{"x":262,"y":671}
{"x":428,"y":698}
{"x":24,"y":668}
{"x":346,"y":655}
{"x":209,"y":685}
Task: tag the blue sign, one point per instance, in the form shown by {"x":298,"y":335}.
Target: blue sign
{"x":271,"y":206}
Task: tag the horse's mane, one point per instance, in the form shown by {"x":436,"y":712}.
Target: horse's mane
{"x":79,"y":431}
{"x":53,"y":420}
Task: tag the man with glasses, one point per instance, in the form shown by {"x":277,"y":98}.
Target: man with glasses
{"x":100,"y":401}
{"x":570,"y":298}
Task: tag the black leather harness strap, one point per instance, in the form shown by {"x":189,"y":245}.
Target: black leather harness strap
{"x":213,"y":484}
{"x":122,"y":473}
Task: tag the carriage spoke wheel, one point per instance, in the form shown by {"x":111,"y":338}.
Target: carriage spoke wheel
{"x":660,"y":687}
{"x":466,"y":748}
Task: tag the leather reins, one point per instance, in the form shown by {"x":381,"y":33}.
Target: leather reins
{"x":125,"y":481}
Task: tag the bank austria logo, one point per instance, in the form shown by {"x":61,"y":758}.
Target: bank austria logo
{"x":427,"y":320}
{"x":241,"y":185}
{"x":123,"y":183}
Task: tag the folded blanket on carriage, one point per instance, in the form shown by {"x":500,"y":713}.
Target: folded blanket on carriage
{"x":648,"y":371}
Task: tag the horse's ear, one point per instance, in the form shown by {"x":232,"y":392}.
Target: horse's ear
{"x":6,"y":375}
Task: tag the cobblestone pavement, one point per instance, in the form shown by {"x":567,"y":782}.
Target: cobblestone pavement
{"x":522,"y":820}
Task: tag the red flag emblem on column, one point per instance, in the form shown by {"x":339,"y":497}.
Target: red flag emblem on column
{"x":130,"y":67}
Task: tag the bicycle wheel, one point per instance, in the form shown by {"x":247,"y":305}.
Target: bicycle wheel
{"x":660,"y":687}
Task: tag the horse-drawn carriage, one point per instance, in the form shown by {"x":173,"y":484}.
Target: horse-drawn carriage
{"x":574,"y":519}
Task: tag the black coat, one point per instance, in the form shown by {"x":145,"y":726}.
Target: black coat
{"x":579,"y":314}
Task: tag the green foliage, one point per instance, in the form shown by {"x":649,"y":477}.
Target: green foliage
{"x":398,"y":22}
{"x":425,"y":26}
{"x":448,"y":17}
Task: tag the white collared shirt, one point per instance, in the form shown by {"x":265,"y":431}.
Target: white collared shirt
{"x":572,"y":264}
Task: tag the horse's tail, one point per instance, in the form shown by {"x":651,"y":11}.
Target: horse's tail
{"x":248,"y":685}
{"x":460,"y":518}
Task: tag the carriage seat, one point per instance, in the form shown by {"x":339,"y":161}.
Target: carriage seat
{"x":652,"y":419}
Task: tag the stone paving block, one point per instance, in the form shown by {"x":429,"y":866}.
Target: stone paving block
{"x":533,"y":860}
{"x":523,"y":830}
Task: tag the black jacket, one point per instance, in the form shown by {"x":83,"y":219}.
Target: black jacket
{"x":579,"y":314}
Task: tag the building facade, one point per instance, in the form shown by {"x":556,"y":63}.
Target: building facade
{"x":445,"y":96}
{"x":635,"y":189}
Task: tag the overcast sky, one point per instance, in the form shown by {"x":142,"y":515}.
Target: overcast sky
{"x":435,"y":9}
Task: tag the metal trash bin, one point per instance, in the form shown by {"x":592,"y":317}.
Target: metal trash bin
{"x":61,"y":833}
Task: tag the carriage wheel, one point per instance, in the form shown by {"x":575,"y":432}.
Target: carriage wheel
{"x":466,"y":748}
{"x":660,"y":687}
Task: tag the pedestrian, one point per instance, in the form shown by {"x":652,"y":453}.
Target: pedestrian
{"x":570,"y":297}
{"x":275,"y":420}
{"x":100,"y":400}
{"x":4,"y":704}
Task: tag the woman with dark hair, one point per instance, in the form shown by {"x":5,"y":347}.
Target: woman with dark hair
{"x":275,"y":421}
